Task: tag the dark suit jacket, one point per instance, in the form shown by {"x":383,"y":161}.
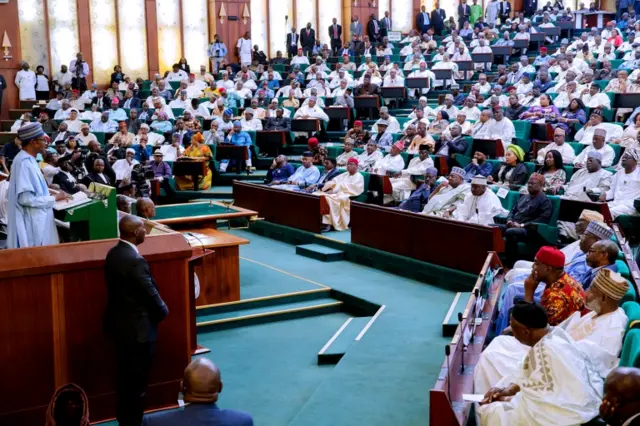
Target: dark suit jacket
{"x":331,"y":31}
{"x":507,"y":9}
{"x":3,"y":84}
{"x":94,"y":177}
{"x":106,"y":103}
{"x":420,"y":22}
{"x":290,"y":48}
{"x":371,"y":31}
{"x":386,"y":26}
{"x":356,"y":47}
{"x":463,"y":10}
{"x":135,"y":103}
{"x":108,"y":171}
{"x":134,"y":306}
{"x":326,"y":177}
{"x":198,"y":415}
{"x":309,"y":40}
{"x":372,"y":90}
{"x":64,"y":182}
{"x":456,"y":146}
{"x":349,"y":52}
{"x":438,"y":16}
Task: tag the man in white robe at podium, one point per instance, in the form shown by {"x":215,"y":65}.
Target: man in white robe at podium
{"x":337,"y":193}
{"x":554,"y":384}
{"x":599,"y":333}
{"x":30,"y":207}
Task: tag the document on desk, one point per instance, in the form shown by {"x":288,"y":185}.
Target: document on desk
{"x":470,"y":397}
{"x":75,"y":200}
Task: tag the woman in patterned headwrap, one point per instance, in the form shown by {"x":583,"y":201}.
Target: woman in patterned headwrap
{"x":198,"y":151}
{"x":513,"y":171}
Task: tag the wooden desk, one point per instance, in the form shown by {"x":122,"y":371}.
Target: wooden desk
{"x":570,"y":210}
{"x":203,"y":214}
{"x":452,"y":244}
{"x":446,"y":406}
{"x":221,"y":283}
{"x":294,"y":209}
{"x":628,"y":257}
{"x":52,"y":302}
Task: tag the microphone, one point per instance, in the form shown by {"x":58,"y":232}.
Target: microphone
{"x":447,"y":351}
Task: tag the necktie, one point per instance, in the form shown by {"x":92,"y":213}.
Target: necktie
{"x":335,"y":31}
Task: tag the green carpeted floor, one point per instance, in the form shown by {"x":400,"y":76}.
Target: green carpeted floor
{"x":271,"y":371}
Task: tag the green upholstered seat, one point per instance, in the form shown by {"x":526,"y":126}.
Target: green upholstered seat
{"x":630,"y":356}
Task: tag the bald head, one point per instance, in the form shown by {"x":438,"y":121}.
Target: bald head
{"x":132,"y":229}
{"x":145,"y":208}
{"x":621,"y":398}
{"x":202,"y":381}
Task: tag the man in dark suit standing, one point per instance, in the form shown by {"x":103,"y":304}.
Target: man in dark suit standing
{"x":386,"y":24}
{"x":423,"y":21}
{"x":464,"y":13}
{"x":292,"y":43}
{"x":335,"y":35}
{"x":307,"y":39}
{"x":504,"y":10}
{"x":438,"y":16}
{"x":202,"y":386}
{"x":373,"y":30}
{"x":134,"y":309}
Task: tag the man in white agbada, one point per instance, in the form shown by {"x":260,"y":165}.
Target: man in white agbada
{"x":124,"y":166}
{"x":585,"y":134}
{"x":625,"y":186}
{"x":26,"y":82}
{"x":393,"y":124}
{"x":598,"y":145}
{"x":448,"y":195}
{"x":558,"y":144}
{"x":311,"y":110}
{"x":555,"y":383}
{"x":422,"y":72}
{"x":401,"y":182}
{"x":598,"y":333}
{"x":592,"y":178}
{"x":369,"y":157}
{"x":244,"y":49}
{"x":30,"y":221}
{"x":480,"y":206}
{"x":392,"y":162}
{"x":337,"y":193}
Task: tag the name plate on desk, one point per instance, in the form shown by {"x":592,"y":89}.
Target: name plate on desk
{"x":394,"y":35}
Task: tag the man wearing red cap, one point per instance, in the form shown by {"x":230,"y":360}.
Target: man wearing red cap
{"x":543,"y":58}
{"x":392,"y":163}
{"x":357,"y":134}
{"x":562,"y":295}
{"x":319,"y":151}
{"x":337,"y":193}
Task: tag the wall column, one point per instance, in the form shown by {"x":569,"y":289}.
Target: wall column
{"x":84,"y":37}
{"x":152,"y":38}
{"x":8,"y":69}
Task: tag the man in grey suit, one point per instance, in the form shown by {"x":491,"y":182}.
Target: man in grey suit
{"x":386,"y":24}
{"x":355,"y":27}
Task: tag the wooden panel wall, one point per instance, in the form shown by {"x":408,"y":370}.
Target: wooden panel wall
{"x":8,"y":69}
{"x":231,"y":31}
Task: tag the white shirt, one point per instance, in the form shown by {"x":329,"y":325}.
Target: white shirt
{"x":253,"y":124}
{"x":480,"y":210}
{"x":585,"y":134}
{"x":122,"y":168}
{"x":170,"y":152}
{"x":315,"y":112}
{"x":74,"y":125}
{"x":608,"y":155}
{"x":176,"y":76}
{"x":393,"y":127}
{"x":625,"y":188}
{"x":597,"y":100}
{"x":566,"y":150}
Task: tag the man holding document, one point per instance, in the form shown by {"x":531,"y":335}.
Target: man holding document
{"x":30,"y":213}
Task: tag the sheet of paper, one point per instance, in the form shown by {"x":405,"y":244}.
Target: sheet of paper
{"x":502,"y":192}
{"x":471,"y":397}
{"x":77,"y":199}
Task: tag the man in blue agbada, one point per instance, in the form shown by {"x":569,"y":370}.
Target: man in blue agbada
{"x":30,"y":213}
{"x":238,"y":137}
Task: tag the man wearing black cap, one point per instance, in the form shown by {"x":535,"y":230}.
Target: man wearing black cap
{"x":557,"y":380}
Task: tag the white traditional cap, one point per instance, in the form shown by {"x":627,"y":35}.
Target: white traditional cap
{"x":130,"y":150}
{"x":599,"y":229}
{"x":600,"y":132}
{"x":383,"y":122}
{"x":479,"y":180}
{"x":145,"y":126}
{"x":611,"y":284}
{"x":449,"y":96}
{"x":249,"y":110}
{"x":457,"y":171}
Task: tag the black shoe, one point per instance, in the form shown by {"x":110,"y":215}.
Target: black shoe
{"x":326,"y":228}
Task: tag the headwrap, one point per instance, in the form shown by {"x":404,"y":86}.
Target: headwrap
{"x":531,"y":315}
{"x":550,"y":256}
{"x":611,"y":284}
{"x":599,"y":229}
{"x":198,"y":137}
{"x":596,"y":155}
{"x":313,"y":142}
{"x":519,"y":152}
{"x":30,"y":131}
{"x":228,"y":111}
{"x":399,"y":145}
{"x":590,"y":215}
{"x":352,"y":160}
{"x":457,"y":171}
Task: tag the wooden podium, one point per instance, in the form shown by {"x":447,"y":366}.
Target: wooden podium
{"x":52,"y":301}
